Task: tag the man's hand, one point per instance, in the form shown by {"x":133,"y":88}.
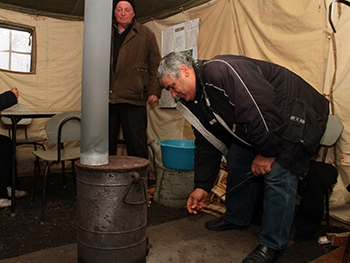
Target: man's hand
{"x":262,"y":165}
{"x":196,"y":200}
{"x":15,"y":91}
{"x":152,"y":99}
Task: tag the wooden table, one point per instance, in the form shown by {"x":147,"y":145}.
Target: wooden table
{"x":16,"y":114}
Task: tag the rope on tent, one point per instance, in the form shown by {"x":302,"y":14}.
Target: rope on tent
{"x":330,"y":14}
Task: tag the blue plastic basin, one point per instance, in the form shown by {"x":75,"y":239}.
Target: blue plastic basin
{"x":178,"y":154}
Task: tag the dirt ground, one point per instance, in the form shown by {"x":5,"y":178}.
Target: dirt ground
{"x":23,"y":233}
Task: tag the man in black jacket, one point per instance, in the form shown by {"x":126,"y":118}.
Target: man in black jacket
{"x":7,"y":99}
{"x":266,"y":121}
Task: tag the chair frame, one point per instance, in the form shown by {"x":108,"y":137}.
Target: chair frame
{"x":331,"y":135}
{"x":59,"y":153}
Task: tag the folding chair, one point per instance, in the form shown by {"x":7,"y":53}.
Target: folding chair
{"x":318,"y":185}
{"x":60,"y":129}
{"x":333,"y":131}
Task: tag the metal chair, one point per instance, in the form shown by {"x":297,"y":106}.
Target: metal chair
{"x":331,"y":135}
{"x":26,"y":140}
{"x":60,"y":129}
{"x":315,"y":189}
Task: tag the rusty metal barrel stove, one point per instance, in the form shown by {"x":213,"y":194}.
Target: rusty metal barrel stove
{"x":112,"y":211}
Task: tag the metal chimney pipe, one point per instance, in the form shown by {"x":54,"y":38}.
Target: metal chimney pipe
{"x":95,"y":82}
{"x":110,"y":190}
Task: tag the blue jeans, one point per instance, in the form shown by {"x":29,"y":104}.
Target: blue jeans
{"x":280,"y":189}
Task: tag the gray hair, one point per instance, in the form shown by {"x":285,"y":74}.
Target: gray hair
{"x":170,"y":65}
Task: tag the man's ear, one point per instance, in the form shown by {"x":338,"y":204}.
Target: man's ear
{"x":185,"y":71}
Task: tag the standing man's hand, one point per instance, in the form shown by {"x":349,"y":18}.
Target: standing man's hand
{"x":196,"y":200}
{"x":16,"y":92}
{"x":262,"y":165}
{"x":152,"y":99}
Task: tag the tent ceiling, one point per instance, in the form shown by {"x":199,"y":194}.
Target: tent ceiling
{"x":74,"y":9}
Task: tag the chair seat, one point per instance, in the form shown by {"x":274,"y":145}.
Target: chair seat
{"x":30,"y":140}
{"x":51,"y":155}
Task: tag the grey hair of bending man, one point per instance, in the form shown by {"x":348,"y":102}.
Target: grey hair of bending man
{"x":170,"y":65}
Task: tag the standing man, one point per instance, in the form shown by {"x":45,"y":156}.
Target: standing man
{"x":134,"y":63}
{"x":266,"y":120}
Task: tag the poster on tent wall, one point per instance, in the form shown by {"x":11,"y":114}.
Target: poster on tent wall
{"x":182,"y":37}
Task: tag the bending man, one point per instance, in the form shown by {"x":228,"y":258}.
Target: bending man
{"x":266,"y":121}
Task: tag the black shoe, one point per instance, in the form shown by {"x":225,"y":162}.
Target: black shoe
{"x":222,"y":224}
{"x":262,"y":254}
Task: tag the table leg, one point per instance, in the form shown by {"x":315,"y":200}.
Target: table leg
{"x":14,"y":167}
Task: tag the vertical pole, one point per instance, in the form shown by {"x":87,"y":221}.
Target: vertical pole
{"x":95,"y":82}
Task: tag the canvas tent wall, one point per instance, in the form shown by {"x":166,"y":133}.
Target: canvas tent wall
{"x":296,"y":35}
